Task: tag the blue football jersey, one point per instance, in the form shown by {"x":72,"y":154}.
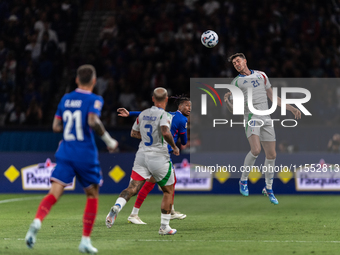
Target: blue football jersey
{"x":78,"y":142}
{"x":178,"y":128}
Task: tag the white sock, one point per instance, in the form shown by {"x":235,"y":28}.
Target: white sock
{"x":85,"y":238}
{"x":37,"y":223}
{"x":135,"y":210}
{"x":249,"y":161}
{"x":173,"y":208}
{"x":121,"y":202}
{"x":165,"y":219}
{"x":269,"y":174}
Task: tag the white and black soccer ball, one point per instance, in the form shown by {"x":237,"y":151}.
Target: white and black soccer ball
{"x":209,"y":39}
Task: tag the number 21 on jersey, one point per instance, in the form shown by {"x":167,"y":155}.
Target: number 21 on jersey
{"x":73,"y":119}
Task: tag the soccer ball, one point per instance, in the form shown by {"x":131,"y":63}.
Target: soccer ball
{"x":209,"y":39}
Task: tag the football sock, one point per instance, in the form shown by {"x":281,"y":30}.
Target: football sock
{"x":89,"y":215}
{"x":269,"y":174}
{"x":45,"y":206}
{"x":165,"y":219}
{"x":143,"y":193}
{"x":120,"y":202}
{"x":249,"y":161}
{"x":135,"y":210}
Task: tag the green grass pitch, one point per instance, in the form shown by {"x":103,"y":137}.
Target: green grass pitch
{"x":216,"y":224}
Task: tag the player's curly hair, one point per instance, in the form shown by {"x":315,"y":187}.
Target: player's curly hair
{"x":180,"y":99}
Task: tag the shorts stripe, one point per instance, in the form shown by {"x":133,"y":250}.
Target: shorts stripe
{"x":136,"y":177}
{"x":166,"y":178}
{"x":249,"y":118}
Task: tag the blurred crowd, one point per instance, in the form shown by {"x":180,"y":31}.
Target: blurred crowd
{"x":147,"y":44}
{"x":34,"y":39}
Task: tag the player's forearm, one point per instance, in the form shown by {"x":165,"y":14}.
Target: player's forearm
{"x":136,"y":134}
{"x":57,"y":126}
{"x":96,"y":125}
{"x":229,"y":106}
{"x":168,"y":136}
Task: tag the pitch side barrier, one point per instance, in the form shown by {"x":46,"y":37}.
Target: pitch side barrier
{"x":299,"y":173}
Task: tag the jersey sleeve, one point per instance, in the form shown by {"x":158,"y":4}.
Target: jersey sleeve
{"x":267,"y":84}
{"x":165,"y":119}
{"x":131,"y":114}
{"x":136,"y":125}
{"x":96,"y":106}
{"x":183,"y":131}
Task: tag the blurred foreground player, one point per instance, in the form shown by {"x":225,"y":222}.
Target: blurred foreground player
{"x":258,"y":133}
{"x":152,"y":159}
{"x":178,"y":130}
{"x":77,"y":115}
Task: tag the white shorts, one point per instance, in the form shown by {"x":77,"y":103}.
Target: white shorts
{"x":264,"y":130}
{"x":158,"y":165}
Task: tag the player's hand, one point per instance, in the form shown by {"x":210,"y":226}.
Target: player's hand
{"x":296,"y":113}
{"x":175,"y":151}
{"x":226,"y":96}
{"x":123,"y":112}
{"x":112,"y":146}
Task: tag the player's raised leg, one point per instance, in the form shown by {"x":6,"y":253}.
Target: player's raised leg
{"x":142,"y":194}
{"x":269,"y":149}
{"x":44,"y":208}
{"x":90,"y":213}
{"x":134,"y":186}
{"x":249,"y":161}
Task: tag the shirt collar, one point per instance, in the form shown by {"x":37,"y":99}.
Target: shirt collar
{"x":83,"y":91}
{"x":251,"y":72}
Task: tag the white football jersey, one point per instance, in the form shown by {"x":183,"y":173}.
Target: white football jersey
{"x":259,"y":83}
{"x":149,"y":123}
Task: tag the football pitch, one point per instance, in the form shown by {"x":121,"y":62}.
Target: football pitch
{"x":215,"y":224}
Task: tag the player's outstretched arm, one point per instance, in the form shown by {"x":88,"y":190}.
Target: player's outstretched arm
{"x":294,"y":110}
{"x":169,"y":139}
{"x":227,"y":101}
{"x":125,"y":113}
{"x":98,"y":127}
{"x":135,"y":134}
{"x":57,"y":125}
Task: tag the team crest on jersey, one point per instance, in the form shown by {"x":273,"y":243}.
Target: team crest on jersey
{"x":98,"y":105}
{"x":259,"y":76}
{"x":186,"y":124}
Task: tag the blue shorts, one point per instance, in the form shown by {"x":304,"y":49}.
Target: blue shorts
{"x":86,"y":173}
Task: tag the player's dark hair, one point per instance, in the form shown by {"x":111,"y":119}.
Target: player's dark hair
{"x":180,"y":99}
{"x":241,"y":55}
{"x":85,"y":73}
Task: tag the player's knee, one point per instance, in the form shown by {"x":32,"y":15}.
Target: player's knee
{"x":271,"y":155}
{"x":256,"y":151}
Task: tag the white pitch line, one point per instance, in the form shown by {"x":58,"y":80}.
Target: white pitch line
{"x":211,"y":241}
{"x":19,"y":199}
{"x":226,"y":241}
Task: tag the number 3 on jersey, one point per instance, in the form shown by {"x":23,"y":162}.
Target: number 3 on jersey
{"x":148,"y":126}
{"x":69,"y":118}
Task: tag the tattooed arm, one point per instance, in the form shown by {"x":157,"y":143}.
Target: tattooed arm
{"x":98,"y":127}
{"x":57,"y":125}
{"x":135,"y":134}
